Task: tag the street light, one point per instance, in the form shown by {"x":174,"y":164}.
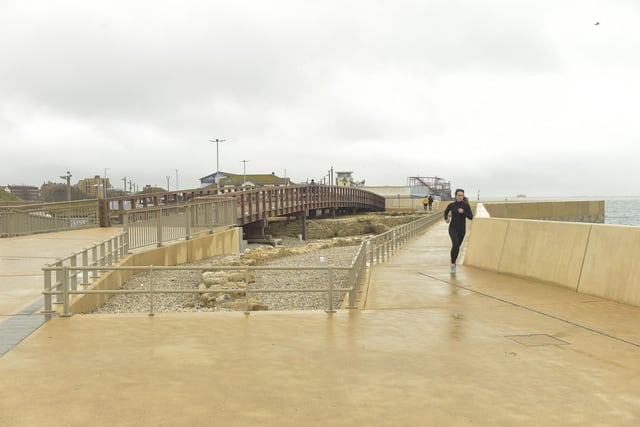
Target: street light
{"x":217,"y":141}
{"x":245,"y":171}
{"x":68,"y":178}
{"x":168,"y":176}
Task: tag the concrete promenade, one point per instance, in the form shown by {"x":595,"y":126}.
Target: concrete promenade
{"x":474,"y":349}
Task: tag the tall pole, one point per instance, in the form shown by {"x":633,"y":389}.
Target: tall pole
{"x":245,"y":171}
{"x":217,"y":141}
{"x":168,"y":176}
{"x":124,"y":181}
{"x":177,"y":187}
{"x":68,"y":178}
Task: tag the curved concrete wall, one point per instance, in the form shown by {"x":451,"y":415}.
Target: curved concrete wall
{"x":575,"y":211}
{"x":591,"y":258}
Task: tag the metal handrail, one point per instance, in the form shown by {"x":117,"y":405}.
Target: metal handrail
{"x":155,"y":226}
{"x":375,"y":249}
{"x":32,"y":218}
{"x":92,"y":261}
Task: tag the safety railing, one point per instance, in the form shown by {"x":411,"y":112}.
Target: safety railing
{"x":59,"y":280}
{"x":21,"y":220}
{"x":155,"y":226}
{"x":82,"y":267}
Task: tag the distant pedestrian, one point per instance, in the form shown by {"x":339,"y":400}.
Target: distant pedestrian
{"x":425,"y":203}
{"x":430,"y":202}
{"x":459,"y":211}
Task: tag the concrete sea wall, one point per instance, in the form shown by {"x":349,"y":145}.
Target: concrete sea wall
{"x":573,"y":211}
{"x":594,"y":259}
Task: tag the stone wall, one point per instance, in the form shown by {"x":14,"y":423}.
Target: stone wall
{"x":355,"y":225}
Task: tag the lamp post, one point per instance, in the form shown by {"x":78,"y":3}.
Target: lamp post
{"x":68,"y":178}
{"x":245,"y":171}
{"x":168,"y":176}
{"x":177,"y":187}
{"x":217,"y":141}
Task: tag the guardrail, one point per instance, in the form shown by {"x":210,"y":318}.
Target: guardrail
{"x":20,"y":220}
{"x":158,"y":225}
{"x":376,"y":249}
{"x":88,"y":264}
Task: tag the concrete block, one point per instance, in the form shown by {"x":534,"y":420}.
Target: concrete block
{"x":549,"y":251}
{"x":611,"y":268}
{"x":486,"y":243}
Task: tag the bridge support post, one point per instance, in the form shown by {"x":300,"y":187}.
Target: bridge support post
{"x":255,"y":230}
{"x":103,"y":213}
{"x":304,"y":224}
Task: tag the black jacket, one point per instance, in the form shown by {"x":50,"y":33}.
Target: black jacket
{"x":458,"y":219}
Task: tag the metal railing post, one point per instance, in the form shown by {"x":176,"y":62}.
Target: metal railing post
{"x":187,"y":222}
{"x":330,"y":291}
{"x":85,"y":263}
{"x":108,"y":253}
{"x":74,"y":278}
{"x":246,"y":300}
{"x":353,"y":280}
{"x":47,"y":288}
{"x":95,"y":261}
{"x":59,"y":278}
{"x":127,"y":243}
{"x":65,"y":292}
{"x":159,"y":228}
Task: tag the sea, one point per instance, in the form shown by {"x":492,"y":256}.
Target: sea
{"x":622,"y":211}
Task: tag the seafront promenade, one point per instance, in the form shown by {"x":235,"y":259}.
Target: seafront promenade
{"x":427,"y":348}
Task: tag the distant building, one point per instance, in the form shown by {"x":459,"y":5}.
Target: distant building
{"x":226,"y":179}
{"x":345,"y":179}
{"x":94,"y":186}
{"x":24,"y":192}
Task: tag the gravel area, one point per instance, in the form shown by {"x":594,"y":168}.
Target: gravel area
{"x":319,"y":253}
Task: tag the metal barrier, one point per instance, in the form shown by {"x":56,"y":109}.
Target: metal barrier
{"x":20,"y":220}
{"x":376,"y":249}
{"x":87,"y":264}
{"x":155,"y":226}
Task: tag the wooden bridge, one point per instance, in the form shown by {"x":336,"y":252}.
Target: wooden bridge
{"x":255,"y":205}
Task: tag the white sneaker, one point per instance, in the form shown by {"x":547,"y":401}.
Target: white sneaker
{"x":453,"y":269}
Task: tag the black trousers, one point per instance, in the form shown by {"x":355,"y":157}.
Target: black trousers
{"x":456,"y":241}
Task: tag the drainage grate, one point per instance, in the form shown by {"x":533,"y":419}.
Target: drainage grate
{"x":534,"y":340}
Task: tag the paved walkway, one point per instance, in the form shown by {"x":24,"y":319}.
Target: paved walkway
{"x":476,"y":349}
{"x":22,"y":279}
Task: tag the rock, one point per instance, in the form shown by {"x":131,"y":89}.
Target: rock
{"x":241,"y":276}
{"x":258,"y":307}
{"x":210,"y":278}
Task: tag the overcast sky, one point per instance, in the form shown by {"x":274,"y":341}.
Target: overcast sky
{"x":497,"y":96}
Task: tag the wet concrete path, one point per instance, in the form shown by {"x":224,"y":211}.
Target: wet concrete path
{"x":428,"y":348}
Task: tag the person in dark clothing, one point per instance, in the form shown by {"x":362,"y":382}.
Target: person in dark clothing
{"x":430,"y":202}
{"x":456,"y":215}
